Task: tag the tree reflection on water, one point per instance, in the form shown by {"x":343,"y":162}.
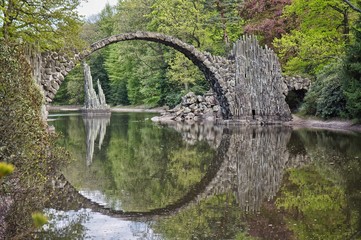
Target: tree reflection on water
{"x":208,"y":182}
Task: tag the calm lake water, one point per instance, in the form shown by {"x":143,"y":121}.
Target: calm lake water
{"x":134,"y":179}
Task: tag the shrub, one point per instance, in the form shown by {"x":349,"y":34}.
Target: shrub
{"x":24,"y":141}
{"x":325,"y":99}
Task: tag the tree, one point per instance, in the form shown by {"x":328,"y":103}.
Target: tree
{"x":182,"y":71}
{"x":50,"y":24}
{"x":222,"y":16}
{"x":264,"y":18}
{"x":320,"y":38}
{"x":71,"y":90}
{"x":326,"y":99}
{"x":136,"y":69}
{"x":352,"y":70}
{"x":208,"y":25}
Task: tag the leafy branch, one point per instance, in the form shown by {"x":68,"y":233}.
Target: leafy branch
{"x":352,"y":6}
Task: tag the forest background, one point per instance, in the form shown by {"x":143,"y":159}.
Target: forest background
{"x":317,"y":39}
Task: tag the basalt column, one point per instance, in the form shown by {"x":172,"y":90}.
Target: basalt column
{"x":93,"y":102}
{"x":258,"y":94}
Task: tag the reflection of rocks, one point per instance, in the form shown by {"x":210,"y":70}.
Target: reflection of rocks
{"x":191,"y":133}
{"x":94,"y":126}
{"x":193,"y":108}
{"x":254,"y":165}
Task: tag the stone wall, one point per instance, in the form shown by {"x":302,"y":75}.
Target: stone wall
{"x":193,"y":108}
{"x":258,"y":84}
{"x":54,"y":68}
{"x":295,"y":83}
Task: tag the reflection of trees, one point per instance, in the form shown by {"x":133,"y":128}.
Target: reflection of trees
{"x":148,"y":167}
{"x":144,"y":165}
{"x":217,"y":217}
{"x":151,"y":165}
{"x":322,"y":200}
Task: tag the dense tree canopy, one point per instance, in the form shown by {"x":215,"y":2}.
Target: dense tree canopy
{"x":40,"y":22}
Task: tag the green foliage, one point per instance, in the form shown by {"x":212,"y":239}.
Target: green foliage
{"x":138,"y":73}
{"x":352,"y":77}
{"x":320,"y":38}
{"x":24,"y":140}
{"x":48,"y":24}
{"x":39,"y":219}
{"x":173,"y":99}
{"x":208,"y":25}
{"x":148,"y":73}
{"x":183,"y":71}
{"x":6,"y":169}
{"x":308,"y":53}
{"x":325,"y":99}
{"x":71,"y":90}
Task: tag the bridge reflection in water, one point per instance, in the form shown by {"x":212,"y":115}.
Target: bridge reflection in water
{"x":250,"y":162}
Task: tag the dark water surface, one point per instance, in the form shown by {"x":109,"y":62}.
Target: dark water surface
{"x":133,"y":179}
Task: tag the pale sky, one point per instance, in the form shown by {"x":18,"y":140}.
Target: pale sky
{"x":91,"y":7}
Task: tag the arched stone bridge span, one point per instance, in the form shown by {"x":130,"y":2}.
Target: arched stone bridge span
{"x":248,"y":84}
{"x":55,"y":66}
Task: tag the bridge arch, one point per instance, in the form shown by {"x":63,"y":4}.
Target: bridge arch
{"x":56,"y":66}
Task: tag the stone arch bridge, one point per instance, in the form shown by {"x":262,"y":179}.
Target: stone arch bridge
{"x":248,"y":84}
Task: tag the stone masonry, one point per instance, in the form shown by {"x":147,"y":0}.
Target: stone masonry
{"x":247,"y":85}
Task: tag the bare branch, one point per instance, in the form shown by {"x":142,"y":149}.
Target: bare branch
{"x":352,"y":6}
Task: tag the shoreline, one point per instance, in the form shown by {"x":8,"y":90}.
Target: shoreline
{"x":336,"y":125}
{"x":112,"y":109}
{"x":297,"y":122}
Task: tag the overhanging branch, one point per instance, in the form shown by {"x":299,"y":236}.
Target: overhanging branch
{"x":352,"y":6}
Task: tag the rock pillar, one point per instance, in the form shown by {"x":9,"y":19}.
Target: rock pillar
{"x":93,"y":102}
